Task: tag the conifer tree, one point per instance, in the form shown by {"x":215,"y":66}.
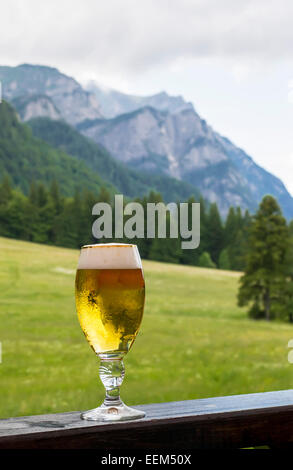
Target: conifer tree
{"x":55,"y":195}
{"x":231,"y":227}
{"x":205,"y":261}
{"x":261,"y":286}
{"x":224,"y":261}
{"x":287,"y":288}
{"x":214,"y":233}
{"x":5,"y":190}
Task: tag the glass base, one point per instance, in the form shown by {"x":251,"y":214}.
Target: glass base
{"x":112,"y":413}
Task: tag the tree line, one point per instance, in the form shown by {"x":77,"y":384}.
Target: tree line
{"x":44,"y":215}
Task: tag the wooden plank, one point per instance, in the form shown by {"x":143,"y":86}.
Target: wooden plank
{"x":222,"y":422}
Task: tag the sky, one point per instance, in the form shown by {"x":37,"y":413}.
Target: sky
{"x":233,"y":59}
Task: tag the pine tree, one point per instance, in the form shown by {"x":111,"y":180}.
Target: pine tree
{"x":164,"y":249}
{"x":104,"y":196}
{"x":82,"y":218}
{"x":12,"y":223}
{"x":167,"y":250}
{"x":145,"y":245}
{"x":261,"y":286}
{"x":237,"y":250}
{"x":214,"y":233}
{"x":33,"y":193}
{"x":205,"y":261}
{"x":224,"y":262}
{"x":231,"y":227}
{"x":235,"y":237}
{"x":287,"y":313}
{"x":41,"y":195}
{"x":55,"y":195}
{"x":5,"y":190}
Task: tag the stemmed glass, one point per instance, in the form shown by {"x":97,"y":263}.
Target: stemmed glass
{"x":110,"y":294}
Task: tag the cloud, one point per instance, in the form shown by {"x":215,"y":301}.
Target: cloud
{"x":224,"y":55}
{"x":133,"y":36}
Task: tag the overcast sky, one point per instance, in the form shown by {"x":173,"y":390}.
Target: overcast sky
{"x":232,"y":58}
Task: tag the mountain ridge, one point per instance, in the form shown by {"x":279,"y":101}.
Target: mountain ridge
{"x":184,"y":146}
{"x":127,"y":180}
{"x":73,"y":102}
{"x":114,"y":102}
{"x":164,"y":136}
{"x":25,"y":158}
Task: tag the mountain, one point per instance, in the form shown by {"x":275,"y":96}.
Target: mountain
{"x":158,"y":137}
{"x":68,"y":100}
{"x":113,"y":102}
{"x":25,"y":159}
{"x":128,"y":181}
{"x":184,"y":146}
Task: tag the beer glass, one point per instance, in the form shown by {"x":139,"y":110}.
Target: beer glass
{"x":110,"y":293}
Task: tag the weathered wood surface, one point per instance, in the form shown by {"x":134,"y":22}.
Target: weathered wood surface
{"x":212,"y":423}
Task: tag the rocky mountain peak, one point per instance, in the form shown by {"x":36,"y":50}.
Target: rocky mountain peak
{"x":68,"y":97}
{"x":114,"y":103}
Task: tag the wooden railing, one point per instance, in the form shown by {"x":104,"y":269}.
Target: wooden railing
{"x":214,"y":423}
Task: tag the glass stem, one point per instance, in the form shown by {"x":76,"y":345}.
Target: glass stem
{"x":112,"y":373}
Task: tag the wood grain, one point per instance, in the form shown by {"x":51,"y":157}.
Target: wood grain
{"x":213,"y":423}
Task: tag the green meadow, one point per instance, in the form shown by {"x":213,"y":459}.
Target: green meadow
{"x":194,"y":340}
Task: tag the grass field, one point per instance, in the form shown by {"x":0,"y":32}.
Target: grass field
{"x":194,"y":341}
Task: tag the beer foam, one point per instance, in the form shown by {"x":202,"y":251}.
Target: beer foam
{"x":109,"y":256}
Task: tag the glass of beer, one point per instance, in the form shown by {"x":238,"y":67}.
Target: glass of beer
{"x":110,"y":294}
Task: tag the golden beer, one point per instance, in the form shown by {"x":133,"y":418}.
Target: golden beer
{"x":110,"y":305}
{"x":109,"y":294}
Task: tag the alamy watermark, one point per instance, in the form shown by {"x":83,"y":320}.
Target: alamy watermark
{"x":183,"y":221}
